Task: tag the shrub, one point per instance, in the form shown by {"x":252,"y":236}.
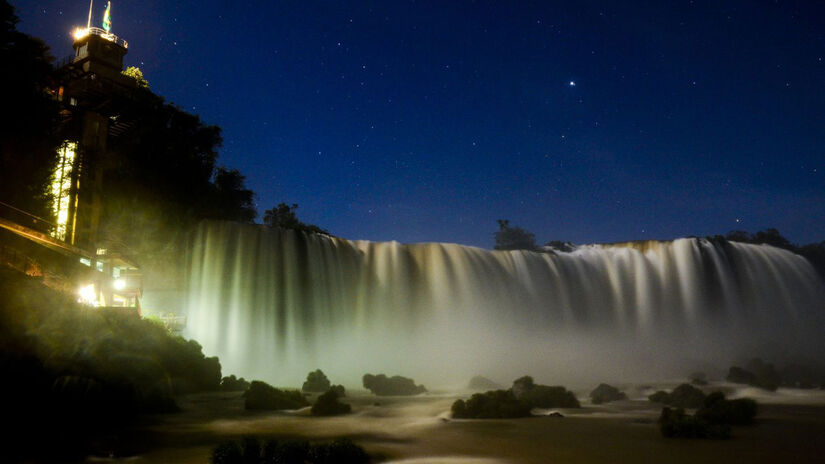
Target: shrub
{"x":543,"y":396}
{"x":261,"y":395}
{"x":328,"y":405}
{"x":605,"y":393}
{"x":233,"y":383}
{"x":677,"y":424}
{"x":718,"y":410}
{"x":495,"y":404}
{"x":757,"y":373}
{"x":382,"y":385}
{"x":683,"y":396}
{"x":316,"y":382}
{"x":340,"y":451}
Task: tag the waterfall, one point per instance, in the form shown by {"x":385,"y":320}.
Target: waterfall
{"x":275,"y":304}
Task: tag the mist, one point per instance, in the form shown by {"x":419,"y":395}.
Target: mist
{"x":274,"y":304}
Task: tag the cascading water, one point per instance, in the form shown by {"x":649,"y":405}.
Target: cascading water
{"x":274,"y":304}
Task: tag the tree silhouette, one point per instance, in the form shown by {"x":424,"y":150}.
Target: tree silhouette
{"x":513,"y":238}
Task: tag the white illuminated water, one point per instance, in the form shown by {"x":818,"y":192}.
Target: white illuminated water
{"x":276,"y":304}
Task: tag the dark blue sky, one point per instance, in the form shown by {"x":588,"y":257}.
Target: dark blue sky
{"x":428,"y":120}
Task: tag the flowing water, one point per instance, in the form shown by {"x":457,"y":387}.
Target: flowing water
{"x":274,"y":304}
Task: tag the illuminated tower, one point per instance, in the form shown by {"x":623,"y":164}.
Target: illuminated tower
{"x":93,"y":92}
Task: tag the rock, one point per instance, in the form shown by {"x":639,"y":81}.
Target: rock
{"x":605,"y":393}
{"x":382,"y":385}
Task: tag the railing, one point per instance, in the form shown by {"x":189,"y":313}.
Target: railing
{"x":102,"y":33}
{"x":26,"y":219}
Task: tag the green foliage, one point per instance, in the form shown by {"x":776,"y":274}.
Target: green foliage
{"x":718,"y":410}
{"x":513,"y":238}
{"x":328,"y":405}
{"x":757,"y":374}
{"x":135,"y":73}
{"x":543,"y":396}
{"x":86,"y":369}
{"x":677,"y":424}
{"x":605,"y":393}
{"x":316,"y":382}
{"x":232,"y":383}
{"x":29,"y":132}
{"x":495,"y":404}
{"x":683,"y":396}
{"x":283,"y":216}
{"x":341,"y":451}
{"x":261,"y":395}
{"x":382,"y":385}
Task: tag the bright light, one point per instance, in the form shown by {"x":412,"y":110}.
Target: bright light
{"x":119,"y":284}
{"x":61,"y":187}
{"x":79,"y":33}
{"x":88,"y":295}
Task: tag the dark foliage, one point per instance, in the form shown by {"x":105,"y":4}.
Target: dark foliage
{"x":328,"y":404}
{"x":674,"y":423}
{"x":483,"y":384}
{"x":543,"y":396}
{"x":71,"y":372}
{"x":261,"y":395}
{"x":233,"y":383}
{"x":718,"y":410}
{"x":698,"y":378}
{"x":605,"y":393}
{"x":29,"y":132}
{"x":316,"y":382}
{"x":283,"y":216}
{"x":757,"y":373}
{"x":382,"y":385}
{"x":683,"y":396}
{"x":513,"y":238}
{"x":249,"y":451}
{"x":495,"y":404}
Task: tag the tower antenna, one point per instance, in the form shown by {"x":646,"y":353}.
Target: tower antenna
{"x":89,"y":22}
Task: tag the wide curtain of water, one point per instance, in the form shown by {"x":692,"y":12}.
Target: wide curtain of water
{"x":275,"y":304}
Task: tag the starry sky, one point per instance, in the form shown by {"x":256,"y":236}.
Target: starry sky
{"x":420,"y":121}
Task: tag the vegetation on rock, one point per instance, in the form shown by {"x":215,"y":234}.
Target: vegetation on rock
{"x":251,"y":451}
{"x":683,"y":396}
{"x":261,"y":395}
{"x":328,"y":403}
{"x":316,"y":382}
{"x":382,"y":385}
{"x":605,"y":393}
{"x":495,"y":404}
{"x":232,"y":383}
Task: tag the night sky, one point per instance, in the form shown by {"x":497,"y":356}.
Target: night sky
{"x":587,"y":121}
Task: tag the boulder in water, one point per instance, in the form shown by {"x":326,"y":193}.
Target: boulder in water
{"x":382,"y":385}
{"x":480,"y":383}
{"x":264,"y":396}
{"x":605,"y":393}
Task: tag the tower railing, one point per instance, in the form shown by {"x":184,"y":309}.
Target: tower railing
{"x":102,"y":33}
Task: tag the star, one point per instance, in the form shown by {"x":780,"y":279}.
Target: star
{"x":572,"y":83}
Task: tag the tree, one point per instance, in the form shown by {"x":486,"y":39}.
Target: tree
{"x":28,"y":135}
{"x":513,"y":238}
{"x":283,"y":216}
{"x":135,"y":73}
